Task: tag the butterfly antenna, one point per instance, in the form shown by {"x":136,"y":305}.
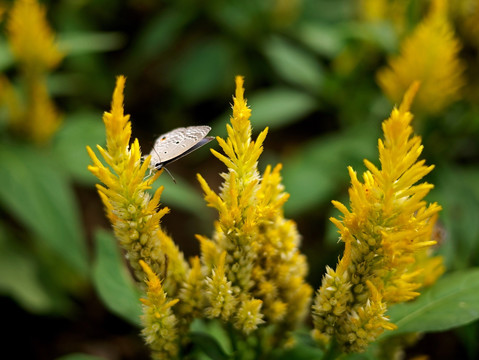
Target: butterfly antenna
{"x":168,"y":171}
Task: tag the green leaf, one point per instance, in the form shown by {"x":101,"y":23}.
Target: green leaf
{"x":78,"y":356}
{"x":181,"y":195}
{"x":301,"y":352}
{"x":19,"y":276}
{"x":294,"y":64}
{"x":112,"y":280}
{"x":318,"y":170}
{"x":158,"y":34}
{"x":382,"y":34}
{"x":215,"y":329}
{"x":305,"y":348}
{"x":209,"y":345}
{"x":278,"y":107}
{"x":451,"y":302}
{"x":326,"y":40}
{"x":6,"y":57}
{"x":87,"y":42}
{"x":34,"y":189}
{"x":78,"y":131}
{"x":202,"y":69}
{"x":457,"y":192}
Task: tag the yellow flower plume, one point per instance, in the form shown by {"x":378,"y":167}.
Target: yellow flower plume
{"x":429,"y":55}
{"x":159,"y":321}
{"x":388,"y":225}
{"x":34,"y":48}
{"x":254,"y":250}
{"x":133,"y":213}
{"x":30,"y":37}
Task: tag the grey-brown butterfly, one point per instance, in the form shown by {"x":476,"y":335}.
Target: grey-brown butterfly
{"x":177,"y":143}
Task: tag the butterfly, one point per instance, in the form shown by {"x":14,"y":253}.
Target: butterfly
{"x":177,"y":143}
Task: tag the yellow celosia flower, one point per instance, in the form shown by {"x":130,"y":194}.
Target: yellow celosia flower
{"x":160,"y":331}
{"x":388,"y":224}
{"x":42,"y":119}
{"x":132,"y":211}
{"x":191,"y":294}
{"x":10,"y":99}
{"x":30,"y":37}
{"x":256,"y":270}
{"x":429,"y":55}
{"x":219,"y":293}
{"x":34,"y":48}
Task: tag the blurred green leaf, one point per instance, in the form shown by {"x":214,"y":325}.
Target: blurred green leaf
{"x":318,"y":170}
{"x":87,"y":42}
{"x":181,"y":195}
{"x":78,"y":356}
{"x":19,"y":276}
{"x":301,"y":352}
{"x":294,"y":64}
{"x":451,"y":302}
{"x":326,"y":40}
{"x":278,"y":107}
{"x":215,"y":330}
{"x":6,"y":57}
{"x":78,"y":131}
{"x":457,"y":192}
{"x":112,"y":280}
{"x":382,"y":34}
{"x":158,"y":34}
{"x":209,"y":345}
{"x":202,"y":69}
{"x":34,"y":189}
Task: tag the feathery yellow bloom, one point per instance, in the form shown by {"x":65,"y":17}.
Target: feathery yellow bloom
{"x":133,"y":213}
{"x":219,"y":292}
{"x":388,"y":224}
{"x":262,"y":266}
{"x":160,"y":331}
{"x":191,"y":293}
{"x":429,"y":55}
{"x":42,"y":117}
{"x":33,"y":45}
{"x":9,"y":98}
{"x":30,"y":37}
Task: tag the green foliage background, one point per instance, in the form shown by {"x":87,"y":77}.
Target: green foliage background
{"x":62,"y":280}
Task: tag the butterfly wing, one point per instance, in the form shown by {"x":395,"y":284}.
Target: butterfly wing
{"x":178,"y":143}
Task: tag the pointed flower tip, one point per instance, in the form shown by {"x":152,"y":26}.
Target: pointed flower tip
{"x":147,"y":269}
{"x":239,"y":87}
{"x":117,"y":102}
{"x":409,"y":97}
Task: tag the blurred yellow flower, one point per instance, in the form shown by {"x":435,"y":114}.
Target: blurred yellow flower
{"x":33,"y":45}
{"x":30,"y":37}
{"x":256,"y":270}
{"x":429,"y":55}
{"x":388,"y":224}
{"x":133,"y":213}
